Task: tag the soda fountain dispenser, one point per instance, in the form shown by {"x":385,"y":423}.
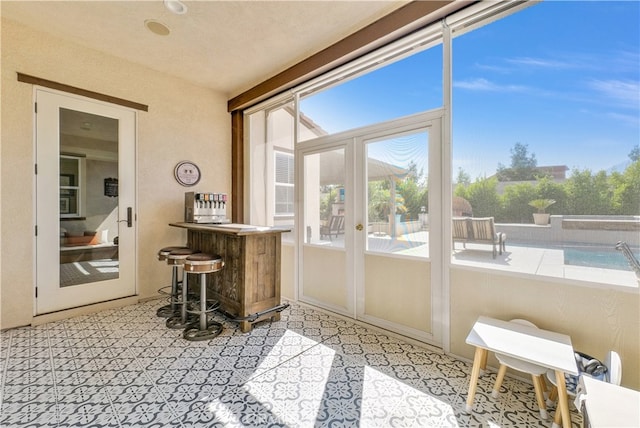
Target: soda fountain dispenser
{"x":205,"y":208}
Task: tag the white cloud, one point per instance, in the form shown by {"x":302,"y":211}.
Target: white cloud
{"x":627,"y":92}
{"x":626,"y":118}
{"x":541,"y":63}
{"x":481,"y":84}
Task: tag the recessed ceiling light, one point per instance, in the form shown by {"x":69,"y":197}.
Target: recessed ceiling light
{"x":157,"y":27}
{"x":175,"y":6}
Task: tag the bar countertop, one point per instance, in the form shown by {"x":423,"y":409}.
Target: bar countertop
{"x":231,"y":228}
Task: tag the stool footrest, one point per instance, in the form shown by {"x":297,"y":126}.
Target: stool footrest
{"x":212,"y":306}
{"x":165,"y":291}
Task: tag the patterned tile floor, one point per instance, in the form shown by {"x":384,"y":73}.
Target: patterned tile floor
{"x":123,"y":368}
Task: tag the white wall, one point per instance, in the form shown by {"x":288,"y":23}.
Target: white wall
{"x":184,"y":121}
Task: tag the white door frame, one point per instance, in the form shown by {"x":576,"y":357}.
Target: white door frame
{"x":50,"y":296}
{"x":353,"y":141}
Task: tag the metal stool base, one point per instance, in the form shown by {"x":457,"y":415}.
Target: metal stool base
{"x":176,"y":323}
{"x":195,"y":334}
{"x":165,"y":311}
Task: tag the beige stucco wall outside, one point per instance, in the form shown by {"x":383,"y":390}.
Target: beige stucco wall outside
{"x":184,"y":121}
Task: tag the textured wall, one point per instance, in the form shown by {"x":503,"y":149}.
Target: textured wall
{"x":184,"y":121}
{"x":596,"y":319}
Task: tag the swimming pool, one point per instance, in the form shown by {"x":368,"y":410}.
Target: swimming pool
{"x":599,"y":257}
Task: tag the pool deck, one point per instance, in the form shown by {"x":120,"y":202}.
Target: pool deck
{"x":547,"y":262}
{"x":540,"y":261}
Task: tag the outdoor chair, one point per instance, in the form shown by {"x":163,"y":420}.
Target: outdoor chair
{"x":537,"y":373}
{"x":480,"y":230}
{"x":334,"y":227}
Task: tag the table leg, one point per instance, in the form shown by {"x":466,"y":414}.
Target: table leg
{"x":483,"y":363}
{"x":562,"y":412}
{"x":245,"y":326}
{"x":479,"y":358}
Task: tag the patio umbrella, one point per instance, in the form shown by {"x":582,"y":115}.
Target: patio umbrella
{"x":461,"y":207}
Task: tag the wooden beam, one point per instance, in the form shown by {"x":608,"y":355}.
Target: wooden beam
{"x":25,"y":78}
{"x":391,"y":27}
{"x":237,"y":167}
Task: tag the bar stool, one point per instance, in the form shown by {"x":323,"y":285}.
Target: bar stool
{"x":181,"y":319}
{"x":168,"y":310}
{"x":205,"y":328}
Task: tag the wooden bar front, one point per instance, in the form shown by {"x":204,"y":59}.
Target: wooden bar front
{"x":249,"y":283}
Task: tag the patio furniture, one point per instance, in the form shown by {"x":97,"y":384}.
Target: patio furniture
{"x":613,"y":375}
{"x":537,"y":372}
{"x":335,"y":227}
{"x":606,"y":405}
{"x":478,"y":230}
{"x":534,"y":345}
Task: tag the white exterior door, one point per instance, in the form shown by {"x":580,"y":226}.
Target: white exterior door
{"x":370,"y":243}
{"x":85,"y":201}
{"x":397,"y":251}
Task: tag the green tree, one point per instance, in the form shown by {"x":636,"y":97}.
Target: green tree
{"x":634,"y":155}
{"x":626,"y":190}
{"x":379,"y":197}
{"x":515,"y":202}
{"x":523,"y":166}
{"x":588,"y":193}
{"x":463,"y":178}
{"x":327,"y":198}
{"x":483,"y":197}
{"x":413,"y":191}
{"x":546,"y":188}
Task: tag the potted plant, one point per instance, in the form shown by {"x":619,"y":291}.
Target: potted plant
{"x":541,"y":217}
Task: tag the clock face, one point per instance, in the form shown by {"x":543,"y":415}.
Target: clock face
{"x":187,"y":173}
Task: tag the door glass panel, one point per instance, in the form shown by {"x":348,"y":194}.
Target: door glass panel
{"x":88,"y":192}
{"x":397,"y":195}
{"x":324,"y":178}
{"x":324,"y":257}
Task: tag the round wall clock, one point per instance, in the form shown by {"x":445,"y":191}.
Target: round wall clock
{"x":187,"y":173}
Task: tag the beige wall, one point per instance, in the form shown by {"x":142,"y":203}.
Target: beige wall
{"x":184,"y":121}
{"x":596,"y":319}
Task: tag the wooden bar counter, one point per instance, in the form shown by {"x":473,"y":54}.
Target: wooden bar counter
{"x":249,"y":283}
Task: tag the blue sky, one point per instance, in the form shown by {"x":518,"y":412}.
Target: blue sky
{"x":561,"y":77}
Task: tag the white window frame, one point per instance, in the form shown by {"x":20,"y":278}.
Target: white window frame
{"x":290,"y":163}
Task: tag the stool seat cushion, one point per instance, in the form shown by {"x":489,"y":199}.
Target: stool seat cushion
{"x":203,"y":257}
{"x":182,"y":252}
{"x":170,"y":249}
{"x":203,"y":263}
{"x":164,"y":252}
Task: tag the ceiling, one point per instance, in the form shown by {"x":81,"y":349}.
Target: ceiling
{"x":229,"y":46}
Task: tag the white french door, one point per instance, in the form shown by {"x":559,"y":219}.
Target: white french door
{"x":85,"y":201}
{"x":385,"y":266}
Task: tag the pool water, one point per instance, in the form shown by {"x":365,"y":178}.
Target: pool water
{"x":599,"y":257}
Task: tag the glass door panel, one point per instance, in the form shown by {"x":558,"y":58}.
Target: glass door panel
{"x":324,"y":276}
{"x":397,"y":195}
{"x":88,"y":198}
{"x":395,"y":281}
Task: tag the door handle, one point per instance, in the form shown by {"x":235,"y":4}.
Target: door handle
{"x":359,"y":226}
{"x":129,"y":219}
